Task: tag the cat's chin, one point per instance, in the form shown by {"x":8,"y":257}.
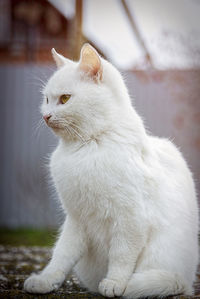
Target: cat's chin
{"x":56,"y":130}
{"x":60,"y":132}
{"x":54,"y":126}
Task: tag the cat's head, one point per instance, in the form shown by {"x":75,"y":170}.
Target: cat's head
{"x":83,"y":99}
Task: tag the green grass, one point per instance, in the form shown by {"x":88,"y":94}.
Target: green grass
{"x":27,"y":237}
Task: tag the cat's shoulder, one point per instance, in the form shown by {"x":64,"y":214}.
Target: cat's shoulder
{"x":163,"y":145}
{"x":167,"y":152}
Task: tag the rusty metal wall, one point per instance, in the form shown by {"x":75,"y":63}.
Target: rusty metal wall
{"x":25,"y":196}
{"x":168,"y":101}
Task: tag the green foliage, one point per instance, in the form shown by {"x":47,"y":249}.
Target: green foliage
{"x":27,"y":237}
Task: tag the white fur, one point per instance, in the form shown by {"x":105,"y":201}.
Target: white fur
{"x":132,"y":215}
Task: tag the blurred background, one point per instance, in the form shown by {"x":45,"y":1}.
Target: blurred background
{"x":155,"y":44}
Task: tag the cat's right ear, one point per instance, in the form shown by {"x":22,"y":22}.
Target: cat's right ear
{"x":59,"y":59}
{"x":90,"y":62}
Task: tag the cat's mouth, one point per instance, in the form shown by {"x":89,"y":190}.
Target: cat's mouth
{"x":69,"y":130}
{"x":67,"y":127}
{"x":53,"y":124}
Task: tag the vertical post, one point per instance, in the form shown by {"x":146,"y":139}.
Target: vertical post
{"x":137,"y":33}
{"x":78,"y":35}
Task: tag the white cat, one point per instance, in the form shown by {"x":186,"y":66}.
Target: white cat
{"x":132,"y":215}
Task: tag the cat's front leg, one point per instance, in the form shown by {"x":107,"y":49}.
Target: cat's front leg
{"x":67,"y":252}
{"x":124,"y":250}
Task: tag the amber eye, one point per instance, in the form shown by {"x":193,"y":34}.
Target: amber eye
{"x":64,"y":98}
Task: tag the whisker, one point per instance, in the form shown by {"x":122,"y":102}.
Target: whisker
{"x":36,"y":129}
{"x":69,"y":131}
{"x":70,"y":122}
{"x":72,"y":125}
{"x":73,"y":130}
{"x":77,"y":134}
{"x":39,"y":82}
{"x":64,"y":124}
{"x":79,"y":129}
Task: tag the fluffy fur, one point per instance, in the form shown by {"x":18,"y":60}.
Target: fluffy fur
{"x":132,"y":217}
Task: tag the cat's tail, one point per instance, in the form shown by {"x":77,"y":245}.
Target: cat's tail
{"x":156,"y":283}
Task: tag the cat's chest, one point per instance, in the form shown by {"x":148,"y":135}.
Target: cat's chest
{"x":82,"y":192}
{"x":78,"y":178}
{"x":67,"y":169}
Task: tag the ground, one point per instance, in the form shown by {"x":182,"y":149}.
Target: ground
{"x":18,"y":262}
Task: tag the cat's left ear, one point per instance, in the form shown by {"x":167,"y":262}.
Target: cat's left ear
{"x":90,"y":62}
{"x":59,"y":59}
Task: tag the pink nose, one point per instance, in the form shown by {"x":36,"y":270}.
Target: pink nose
{"x":47,"y":117}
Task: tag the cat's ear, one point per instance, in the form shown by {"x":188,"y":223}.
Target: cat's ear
{"x":59,"y":59}
{"x":90,"y":62}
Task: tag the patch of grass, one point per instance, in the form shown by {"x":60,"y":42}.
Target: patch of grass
{"x":27,"y":237}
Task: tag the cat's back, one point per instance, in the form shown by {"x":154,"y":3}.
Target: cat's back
{"x":175,"y":179}
{"x":169,"y":156}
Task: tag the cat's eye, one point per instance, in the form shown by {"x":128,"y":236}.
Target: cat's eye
{"x":47,"y":101}
{"x":64,"y":98}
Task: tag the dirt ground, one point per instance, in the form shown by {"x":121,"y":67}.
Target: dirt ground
{"x":17,"y":263}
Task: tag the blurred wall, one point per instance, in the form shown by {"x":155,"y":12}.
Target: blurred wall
{"x":25,"y":196}
{"x":167,"y":100}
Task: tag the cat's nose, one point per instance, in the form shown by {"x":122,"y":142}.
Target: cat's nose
{"x":47,"y":117}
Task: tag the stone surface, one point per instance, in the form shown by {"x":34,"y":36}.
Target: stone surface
{"x":17,"y":263}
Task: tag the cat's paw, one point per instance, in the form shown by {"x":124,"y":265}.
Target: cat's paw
{"x":111,"y":287}
{"x":43,"y":283}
